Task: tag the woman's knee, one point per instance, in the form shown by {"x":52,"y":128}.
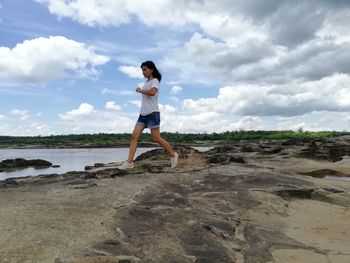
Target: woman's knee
{"x":156,"y":138}
{"x":135,"y":136}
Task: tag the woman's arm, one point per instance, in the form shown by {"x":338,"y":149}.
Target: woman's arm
{"x":151,"y":92}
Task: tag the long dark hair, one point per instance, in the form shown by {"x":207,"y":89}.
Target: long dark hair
{"x":150,"y":64}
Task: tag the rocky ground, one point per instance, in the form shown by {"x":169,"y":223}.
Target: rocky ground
{"x":244,"y":202}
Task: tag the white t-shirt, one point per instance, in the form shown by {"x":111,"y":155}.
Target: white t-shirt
{"x":149,"y":104}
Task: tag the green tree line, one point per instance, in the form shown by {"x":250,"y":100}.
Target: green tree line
{"x":107,"y":138}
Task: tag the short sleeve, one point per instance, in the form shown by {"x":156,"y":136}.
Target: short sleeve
{"x":155,"y":83}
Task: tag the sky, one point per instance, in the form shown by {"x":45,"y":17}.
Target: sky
{"x":72,"y":66}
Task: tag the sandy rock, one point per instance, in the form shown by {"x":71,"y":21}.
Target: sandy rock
{"x":260,"y":210}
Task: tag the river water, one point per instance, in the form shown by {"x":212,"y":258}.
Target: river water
{"x":68,"y":159}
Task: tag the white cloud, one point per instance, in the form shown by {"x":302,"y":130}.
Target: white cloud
{"x":328,"y":94}
{"x":25,"y":128}
{"x":315,"y":121}
{"x":182,"y":121}
{"x":87,"y":119}
{"x":336,"y":26}
{"x":202,"y":104}
{"x":204,"y":60}
{"x":42,"y":59}
{"x":110,"y":105}
{"x":115,"y":12}
{"x":136,"y":103}
{"x":186,"y":122}
{"x":254,"y":61}
{"x":108,"y":91}
{"x":189,"y":122}
{"x":246,"y":123}
{"x":240,"y":40}
{"x":233,"y":29}
{"x":38,"y":127}
{"x":131,"y":71}
{"x":113,"y":122}
{"x":23,"y":114}
{"x":216,"y":19}
{"x":175,"y":120}
{"x":101,"y":13}
{"x":76,"y":129}
{"x":167,"y":108}
{"x":117,"y":92}
{"x":175,"y":90}
{"x":84,"y":110}
{"x":101,"y":122}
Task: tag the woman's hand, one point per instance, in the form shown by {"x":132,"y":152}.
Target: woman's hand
{"x":139,"y":90}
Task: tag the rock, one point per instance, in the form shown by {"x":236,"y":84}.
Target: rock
{"x":217,"y":158}
{"x":297,"y":141}
{"x":224,"y":158}
{"x":10,"y":181}
{"x":273,"y":150}
{"x":249,"y":148}
{"x":38,"y":162}
{"x":259,"y":210}
{"x":330,"y":149}
{"x":23,"y":163}
{"x":222,"y":149}
{"x":102,"y":259}
{"x":55,"y":166}
{"x":323,"y":172}
{"x":83,"y":185}
{"x":160,"y":154}
{"x":151,"y":155}
{"x":236,"y":159}
{"x":295,"y":193}
{"x":153,"y":168}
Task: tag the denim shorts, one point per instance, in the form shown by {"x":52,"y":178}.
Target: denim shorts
{"x":150,"y":121}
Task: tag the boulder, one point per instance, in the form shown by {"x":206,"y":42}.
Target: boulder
{"x":23,"y":163}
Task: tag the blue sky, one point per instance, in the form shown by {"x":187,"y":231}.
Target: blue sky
{"x":72,"y":66}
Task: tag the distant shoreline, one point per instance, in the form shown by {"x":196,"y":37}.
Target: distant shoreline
{"x":103,"y":140}
{"x":94,"y":145}
{"x":204,"y":140}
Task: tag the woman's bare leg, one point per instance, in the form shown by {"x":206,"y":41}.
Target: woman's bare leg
{"x":134,"y":139}
{"x":155,"y":133}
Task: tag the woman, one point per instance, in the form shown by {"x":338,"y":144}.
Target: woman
{"x":149,"y":115}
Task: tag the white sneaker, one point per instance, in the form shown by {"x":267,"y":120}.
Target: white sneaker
{"x":126,"y":165}
{"x":173,"y":160}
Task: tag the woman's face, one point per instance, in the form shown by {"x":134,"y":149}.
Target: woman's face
{"x":146,"y":72}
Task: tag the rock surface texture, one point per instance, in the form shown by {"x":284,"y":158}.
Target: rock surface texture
{"x":266,"y":201}
{"x":20,"y":163}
